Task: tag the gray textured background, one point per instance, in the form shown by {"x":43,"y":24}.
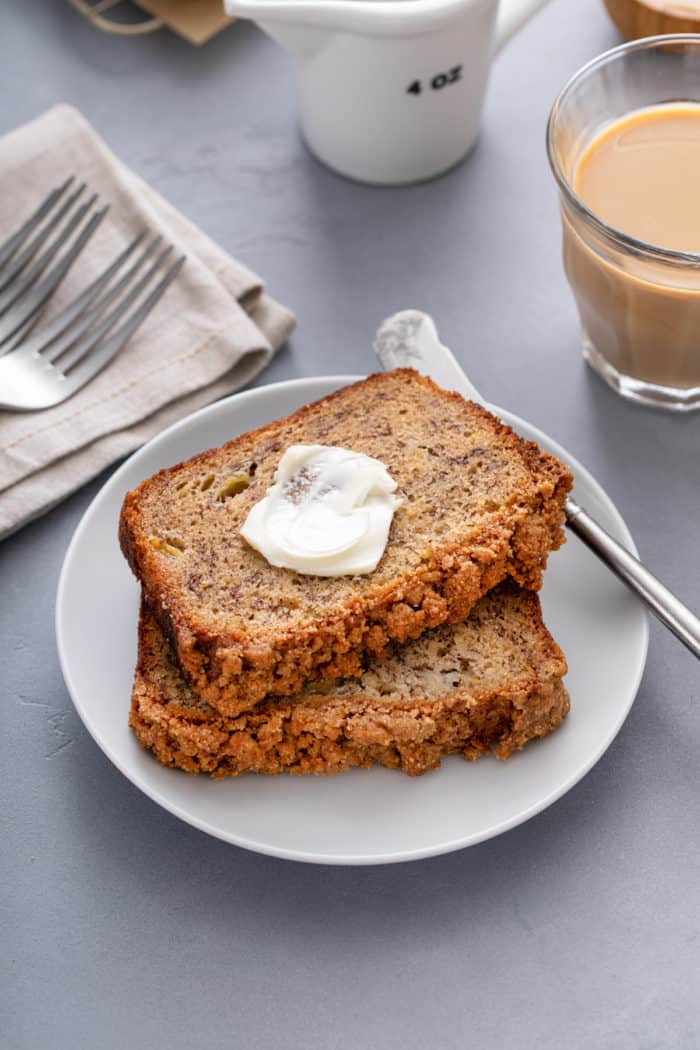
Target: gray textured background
{"x":123,"y":928}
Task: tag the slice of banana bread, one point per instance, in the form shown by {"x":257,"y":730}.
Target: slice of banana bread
{"x":479,"y":503}
{"x":489,"y":684}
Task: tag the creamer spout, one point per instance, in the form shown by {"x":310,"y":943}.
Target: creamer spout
{"x":373,"y":17}
{"x":292,"y":25}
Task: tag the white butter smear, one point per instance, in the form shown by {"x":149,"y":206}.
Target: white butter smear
{"x":327,"y":514}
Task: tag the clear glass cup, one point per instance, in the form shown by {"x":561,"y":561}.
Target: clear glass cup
{"x":639,"y":303}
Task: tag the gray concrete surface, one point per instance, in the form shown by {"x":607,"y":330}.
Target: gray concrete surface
{"x":126,"y":929}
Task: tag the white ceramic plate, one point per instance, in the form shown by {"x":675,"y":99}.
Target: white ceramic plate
{"x":357,"y":817}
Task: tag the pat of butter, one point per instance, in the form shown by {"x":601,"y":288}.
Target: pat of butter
{"x":327,"y":514}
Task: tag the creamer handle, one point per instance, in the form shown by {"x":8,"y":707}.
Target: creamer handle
{"x":512,"y":16}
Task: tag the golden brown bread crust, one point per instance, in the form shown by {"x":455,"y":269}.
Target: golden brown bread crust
{"x":243,"y":630}
{"x":490,"y":684}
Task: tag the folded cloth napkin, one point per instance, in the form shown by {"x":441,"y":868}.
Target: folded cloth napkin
{"x":212,"y":331}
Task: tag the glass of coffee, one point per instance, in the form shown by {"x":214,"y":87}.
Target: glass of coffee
{"x":624,"y":144}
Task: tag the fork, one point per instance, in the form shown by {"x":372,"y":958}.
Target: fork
{"x":71,"y":349}
{"x":22,"y":294}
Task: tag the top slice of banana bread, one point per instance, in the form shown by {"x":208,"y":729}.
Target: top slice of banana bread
{"x":479,"y":504}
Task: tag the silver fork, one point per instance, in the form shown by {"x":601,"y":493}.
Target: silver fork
{"x":26,"y":283}
{"x":71,"y":349}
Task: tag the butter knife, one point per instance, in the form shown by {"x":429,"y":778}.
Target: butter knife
{"x":409,"y":339}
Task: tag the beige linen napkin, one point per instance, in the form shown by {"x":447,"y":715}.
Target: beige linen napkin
{"x":212,"y":331}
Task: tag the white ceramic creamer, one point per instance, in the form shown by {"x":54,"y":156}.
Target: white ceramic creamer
{"x":391,"y":90}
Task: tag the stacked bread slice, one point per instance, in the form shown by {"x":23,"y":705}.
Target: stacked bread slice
{"x":246,"y":667}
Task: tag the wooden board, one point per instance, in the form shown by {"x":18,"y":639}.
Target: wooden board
{"x":639,"y":18}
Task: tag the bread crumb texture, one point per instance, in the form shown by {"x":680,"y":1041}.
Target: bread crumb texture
{"x":479,"y":504}
{"x":489,"y":684}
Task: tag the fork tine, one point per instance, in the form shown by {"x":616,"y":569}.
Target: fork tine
{"x":96,"y":361}
{"x":20,"y":336}
{"x":10,"y":246}
{"x":76,"y":317}
{"x":112,"y":293}
{"x":37,"y":296}
{"x":18,"y":264}
{"x":27,"y":384}
{"x":24,"y":281}
{"x":82,"y":347}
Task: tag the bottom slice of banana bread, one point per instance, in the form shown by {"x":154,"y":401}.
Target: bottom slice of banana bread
{"x":489,"y":684}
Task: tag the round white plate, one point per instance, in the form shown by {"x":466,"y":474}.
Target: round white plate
{"x":359,"y":817}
